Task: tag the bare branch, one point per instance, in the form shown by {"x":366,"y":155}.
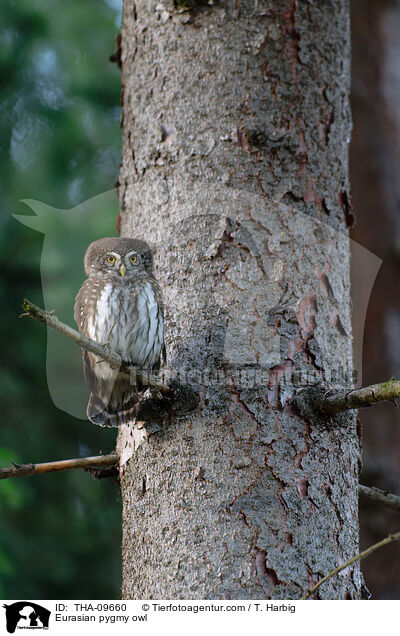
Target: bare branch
{"x":104,"y":352}
{"x":24,"y":470}
{"x":380,"y":496}
{"x":389,"y":539}
{"x":359,"y":398}
{"x":316,"y":401}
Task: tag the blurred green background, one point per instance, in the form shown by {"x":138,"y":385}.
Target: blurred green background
{"x":60,"y":144}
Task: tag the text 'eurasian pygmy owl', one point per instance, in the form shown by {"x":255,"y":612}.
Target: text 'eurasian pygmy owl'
{"x":119,"y":304}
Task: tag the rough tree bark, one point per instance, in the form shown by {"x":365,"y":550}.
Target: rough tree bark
{"x":234,"y":166}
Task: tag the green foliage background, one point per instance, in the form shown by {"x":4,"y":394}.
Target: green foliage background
{"x":60,"y":144}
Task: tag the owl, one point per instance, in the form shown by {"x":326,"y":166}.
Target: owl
{"x":120,"y":305}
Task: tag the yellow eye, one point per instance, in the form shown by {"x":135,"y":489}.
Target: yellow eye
{"x":133,"y":259}
{"x":110,"y":259}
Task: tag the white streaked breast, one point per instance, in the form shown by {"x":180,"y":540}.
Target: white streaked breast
{"x":136,"y":335}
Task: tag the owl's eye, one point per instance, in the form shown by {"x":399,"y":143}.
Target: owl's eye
{"x":133,"y":259}
{"x":110,"y":259}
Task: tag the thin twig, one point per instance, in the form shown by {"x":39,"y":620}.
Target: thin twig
{"x":389,"y":539}
{"x":383,"y":497}
{"x":359,"y":398}
{"x":113,"y":359}
{"x":316,"y":402}
{"x":24,"y":470}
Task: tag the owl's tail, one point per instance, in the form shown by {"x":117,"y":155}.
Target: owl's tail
{"x":101,"y":414}
{"x":98,"y":413}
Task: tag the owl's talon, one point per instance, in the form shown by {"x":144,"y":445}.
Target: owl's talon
{"x":155,"y":393}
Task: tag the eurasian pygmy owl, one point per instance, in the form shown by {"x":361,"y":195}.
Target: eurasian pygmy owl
{"x":119,"y":304}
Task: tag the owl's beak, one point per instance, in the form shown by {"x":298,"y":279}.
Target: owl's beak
{"x":122,"y":270}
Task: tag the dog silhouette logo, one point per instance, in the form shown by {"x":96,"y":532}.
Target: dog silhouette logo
{"x":26,"y":615}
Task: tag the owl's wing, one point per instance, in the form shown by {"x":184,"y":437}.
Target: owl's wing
{"x":85,"y":304}
{"x":84,"y":310}
{"x":160,"y":317}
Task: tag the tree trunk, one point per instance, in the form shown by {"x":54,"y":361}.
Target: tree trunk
{"x":234,"y":167}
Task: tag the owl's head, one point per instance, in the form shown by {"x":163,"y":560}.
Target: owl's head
{"x":121,"y":257}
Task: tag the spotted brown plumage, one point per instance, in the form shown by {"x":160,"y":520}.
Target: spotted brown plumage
{"x":119,"y":304}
